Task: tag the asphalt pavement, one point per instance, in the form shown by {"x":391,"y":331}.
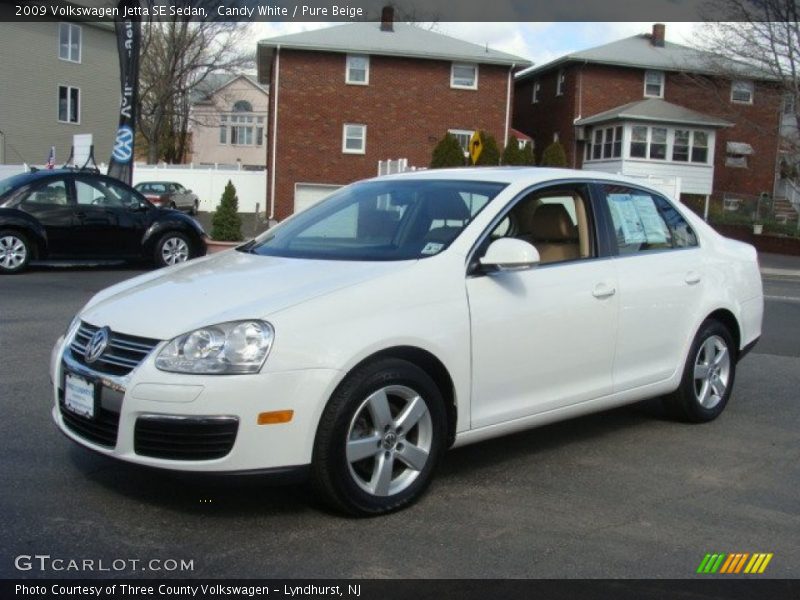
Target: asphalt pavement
{"x":623,"y":493}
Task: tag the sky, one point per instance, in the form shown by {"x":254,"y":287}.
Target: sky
{"x":538,"y":42}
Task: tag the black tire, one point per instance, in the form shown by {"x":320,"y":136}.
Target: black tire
{"x":172,"y":205}
{"x":193,"y":209}
{"x":162,"y":253}
{"x":697,"y":400}
{"x":339,"y":482}
{"x":15,"y":252}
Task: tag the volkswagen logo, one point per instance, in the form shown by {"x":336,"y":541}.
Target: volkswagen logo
{"x":97,"y":345}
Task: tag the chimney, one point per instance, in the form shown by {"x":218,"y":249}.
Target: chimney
{"x":659,"y":32}
{"x":387,"y":18}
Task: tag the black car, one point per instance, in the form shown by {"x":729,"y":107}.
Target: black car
{"x":68,"y":214}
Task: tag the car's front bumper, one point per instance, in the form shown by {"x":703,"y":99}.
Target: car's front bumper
{"x":126,"y":405}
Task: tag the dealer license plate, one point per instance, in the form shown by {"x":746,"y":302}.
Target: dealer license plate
{"x":79,"y":396}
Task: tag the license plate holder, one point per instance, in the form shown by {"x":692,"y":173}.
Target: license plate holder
{"x":80,"y":396}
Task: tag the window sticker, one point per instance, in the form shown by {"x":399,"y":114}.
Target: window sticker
{"x":432,"y":248}
{"x":627,"y":223}
{"x":654,"y":229}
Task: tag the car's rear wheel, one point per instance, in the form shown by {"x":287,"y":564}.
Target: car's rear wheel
{"x":708,"y":375}
{"x":172,"y":248}
{"x":193,"y":209}
{"x":15,"y":252}
{"x":380,"y":439}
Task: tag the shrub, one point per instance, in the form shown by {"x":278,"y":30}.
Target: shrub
{"x":554,"y":156}
{"x":226,"y":224}
{"x":514,"y":155}
{"x":490,"y":155}
{"x":447,"y":153}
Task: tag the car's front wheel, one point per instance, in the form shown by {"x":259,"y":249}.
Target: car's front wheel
{"x":380,"y":438}
{"x":172,"y":248}
{"x":15,"y":252}
{"x":708,"y":375}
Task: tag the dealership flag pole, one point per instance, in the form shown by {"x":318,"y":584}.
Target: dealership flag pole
{"x":129,"y":34}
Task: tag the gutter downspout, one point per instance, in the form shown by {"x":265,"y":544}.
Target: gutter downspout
{"x":508,"y":102}
{"x":274,"y":133}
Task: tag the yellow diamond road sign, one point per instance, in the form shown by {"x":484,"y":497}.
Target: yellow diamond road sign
{"x":475,"y":146}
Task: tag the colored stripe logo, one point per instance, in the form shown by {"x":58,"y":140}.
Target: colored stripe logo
{"x":735,"y":563}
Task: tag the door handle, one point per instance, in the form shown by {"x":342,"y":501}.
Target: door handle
{"x":602,"y":290}
{"x":692,"y":277}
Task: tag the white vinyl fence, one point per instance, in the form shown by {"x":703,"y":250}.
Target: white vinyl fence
{"x":207,"y":182}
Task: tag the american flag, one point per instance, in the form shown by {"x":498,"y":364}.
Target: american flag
{"x":51,"y":159}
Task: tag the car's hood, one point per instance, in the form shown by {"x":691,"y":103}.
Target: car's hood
{"x":223,"y":287}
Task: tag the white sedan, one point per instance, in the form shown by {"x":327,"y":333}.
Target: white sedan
{"x":358,"y":340}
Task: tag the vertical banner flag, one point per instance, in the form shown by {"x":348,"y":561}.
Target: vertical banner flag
{"x":129,"y":34}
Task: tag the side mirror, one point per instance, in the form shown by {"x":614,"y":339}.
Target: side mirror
{"x":509,"y":254}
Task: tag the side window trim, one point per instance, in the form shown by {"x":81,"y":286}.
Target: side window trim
{"x":602,"y":246}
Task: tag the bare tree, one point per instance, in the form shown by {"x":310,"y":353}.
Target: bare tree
{"x":765,"y":36}
{"x":177,"y":58}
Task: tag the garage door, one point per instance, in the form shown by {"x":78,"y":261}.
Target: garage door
{"x":308,"y":194}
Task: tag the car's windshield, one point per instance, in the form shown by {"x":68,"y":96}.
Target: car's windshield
{"x":10,"y":183}
{"x":380,"y":220}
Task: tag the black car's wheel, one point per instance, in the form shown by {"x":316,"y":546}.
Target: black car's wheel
{"x":172,"y":248}
{"x":707,"y":375}
{"x":15,"y":252}
{"x":379,"y":439}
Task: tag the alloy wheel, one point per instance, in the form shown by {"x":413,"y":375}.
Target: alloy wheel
{"x":174,"y":250}
{"x":13,"y":252}
{"x":389,"y":440}
{"x":712,"y":370}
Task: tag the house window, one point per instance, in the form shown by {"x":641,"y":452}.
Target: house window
{"x":680,"y":146}
{"x":464,"y":76}
{"x":788,"y":104}
{"x":700,"y":147}
{"x":354,"y":139}
{"x":241,"y":127}
{"x":536,"y":87}
{"x":562,"y":75}
{"x":357,"y":70}
{"x":654,"y":84}
{"x":658,"y":143}
{"x":742,"y":92}
{"x":69,"y":42}
{"x":463,"y":136}
{"x":605,"y":144}
{"x":638,"y":141}
{"x":69,"y":104}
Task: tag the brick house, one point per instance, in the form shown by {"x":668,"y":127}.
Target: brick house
{"x":346,"y":97}
{"x":646,"y":107}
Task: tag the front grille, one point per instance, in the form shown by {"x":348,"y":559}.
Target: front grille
{"x":101,"y":430}
{"x":185,"y":438}
{"x":123,"y":354}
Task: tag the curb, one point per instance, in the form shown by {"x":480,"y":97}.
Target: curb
{"x":780,"y":273}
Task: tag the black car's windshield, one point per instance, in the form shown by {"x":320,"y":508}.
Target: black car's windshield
{"x":380,"y":220}
{"x":11,"y":182}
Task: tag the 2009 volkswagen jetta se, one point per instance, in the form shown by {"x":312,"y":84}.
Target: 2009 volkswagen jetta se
{"x":359,"y":339}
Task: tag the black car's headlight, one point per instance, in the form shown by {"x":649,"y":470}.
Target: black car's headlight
{"x":223,"y":349}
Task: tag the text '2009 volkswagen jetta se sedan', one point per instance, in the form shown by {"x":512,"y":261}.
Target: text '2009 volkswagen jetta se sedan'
{"x":357,"y":340}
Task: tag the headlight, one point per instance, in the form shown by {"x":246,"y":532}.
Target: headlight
{"x":223,"y":349}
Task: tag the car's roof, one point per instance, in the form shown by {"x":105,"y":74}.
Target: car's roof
{"x":157,"y":183}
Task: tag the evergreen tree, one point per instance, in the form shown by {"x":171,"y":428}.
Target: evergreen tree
{"x":554,"y":156}
{"x":226,"y":224}
{"x":447,"y":153}
{"x":513,"y":154}
{"x":490,"y":155}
